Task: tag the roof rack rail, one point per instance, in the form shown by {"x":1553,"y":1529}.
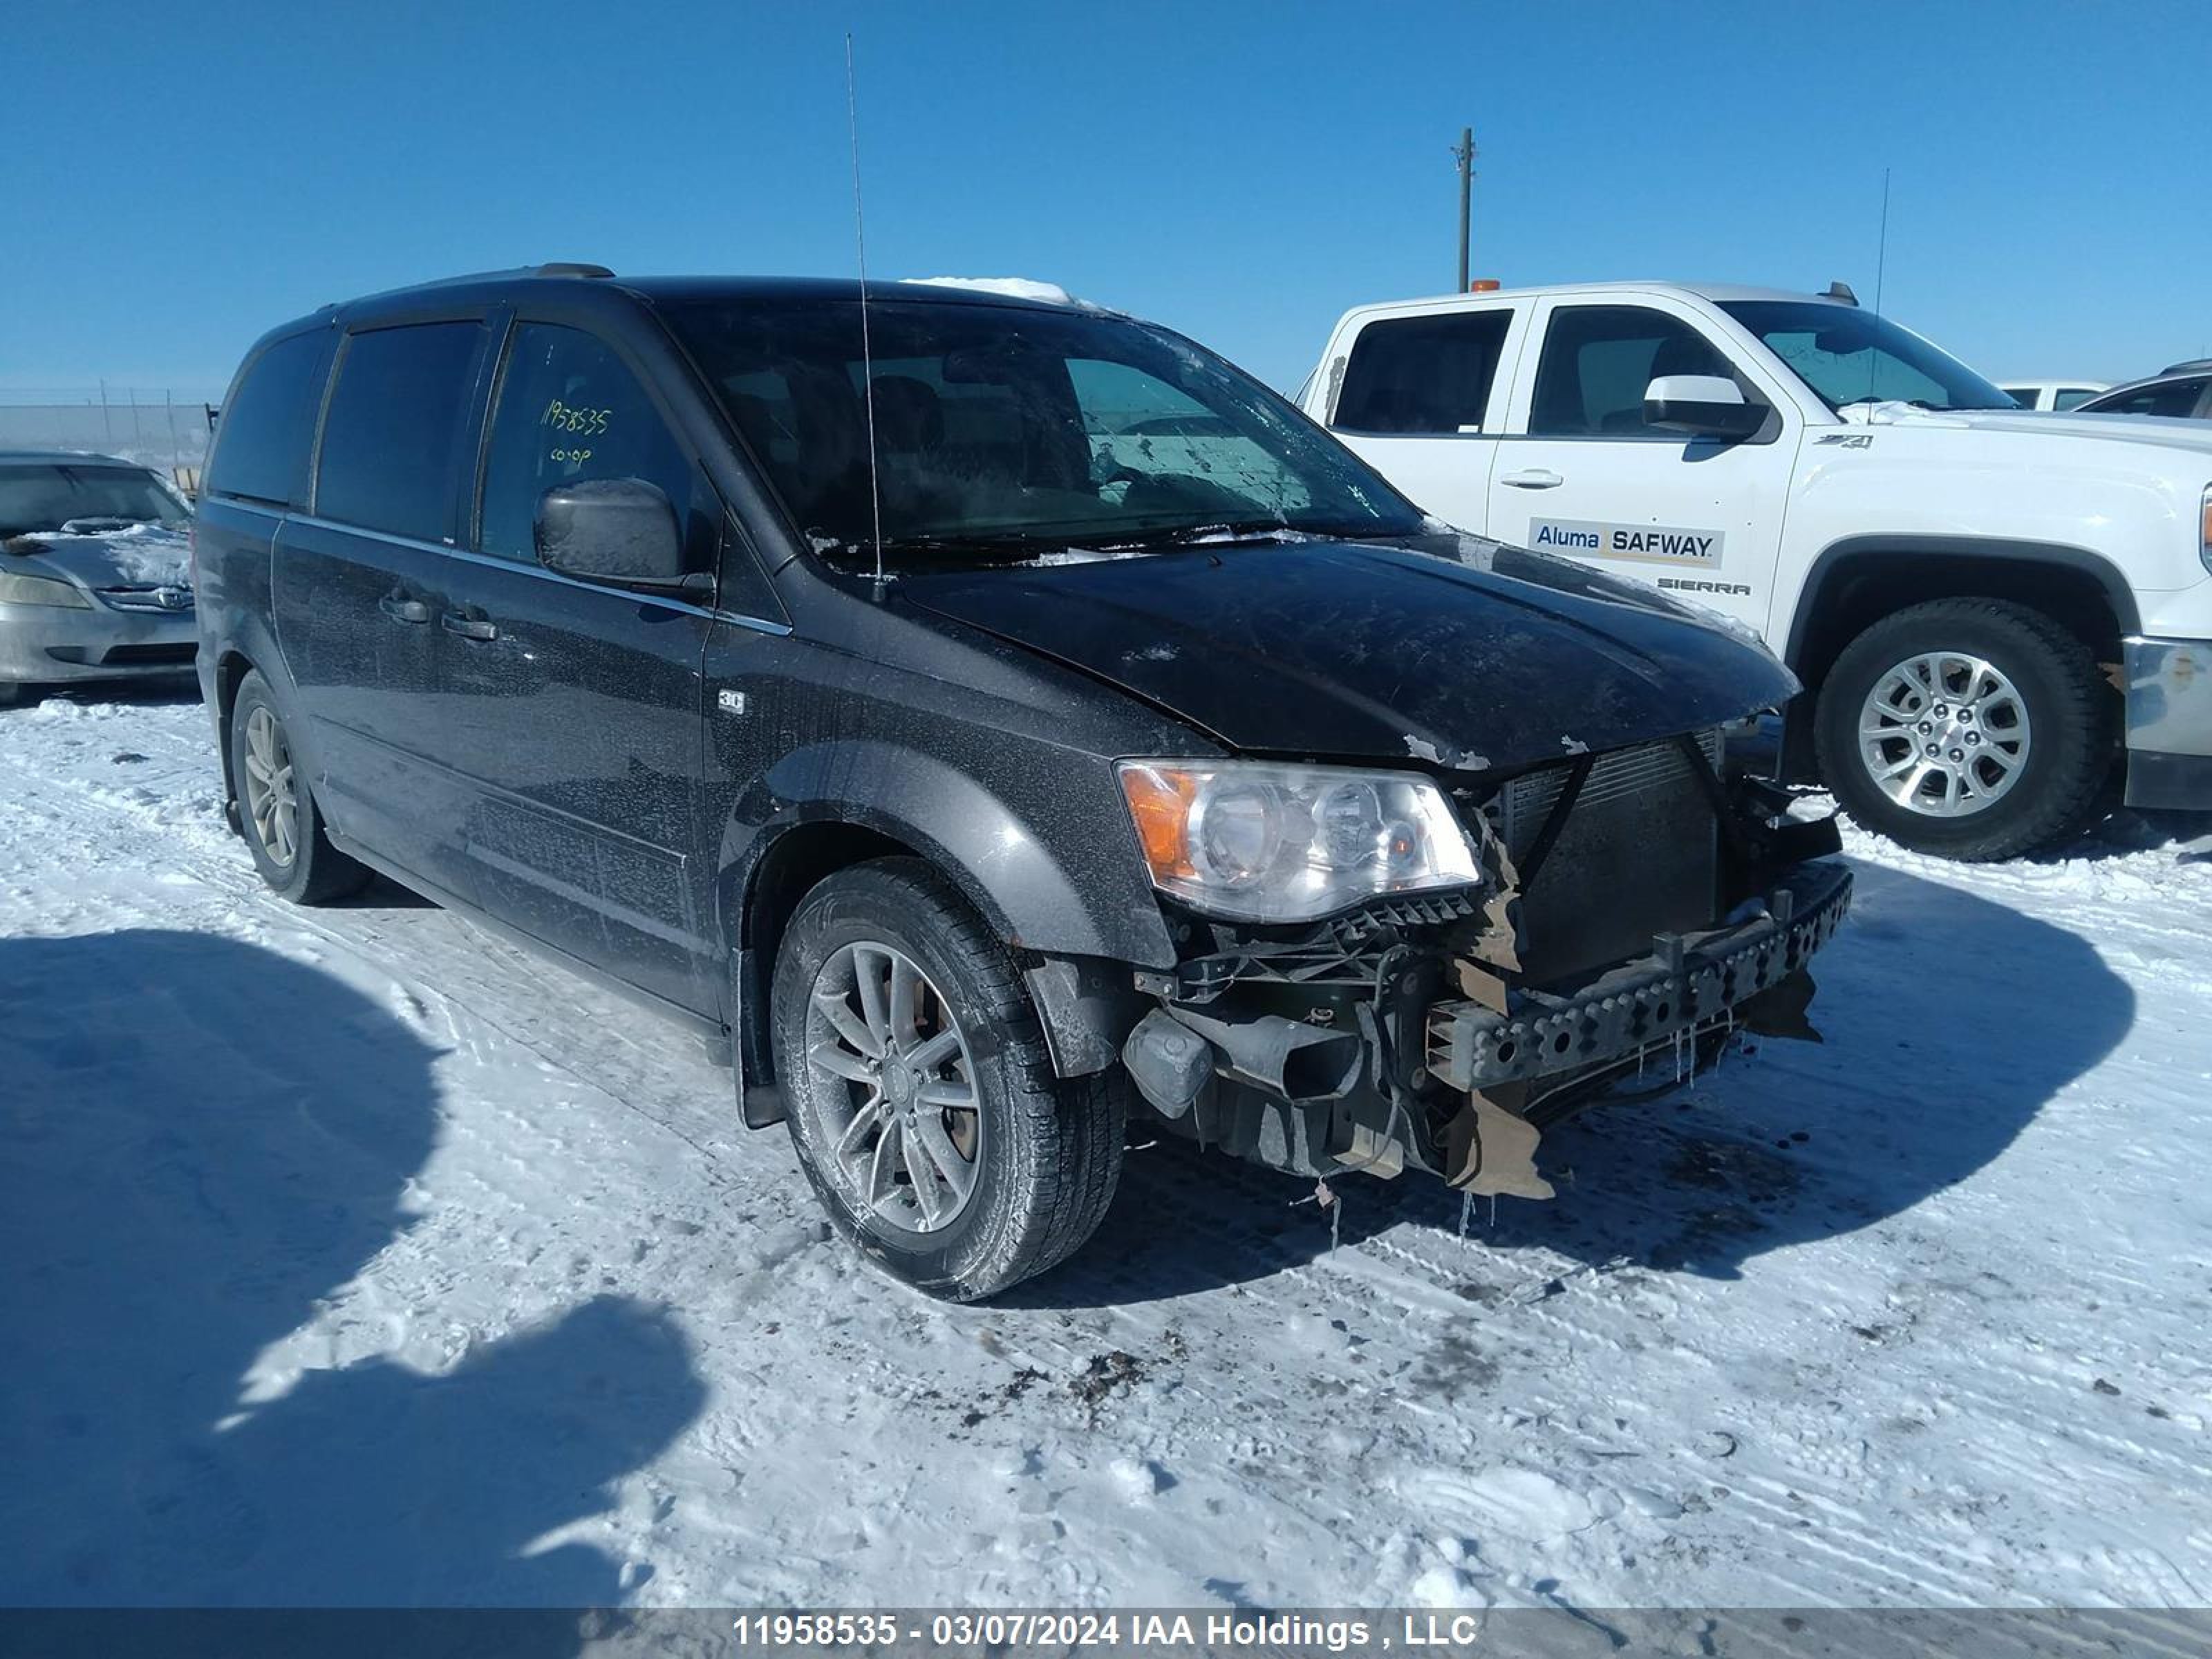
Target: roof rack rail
{"x":571,"y":268}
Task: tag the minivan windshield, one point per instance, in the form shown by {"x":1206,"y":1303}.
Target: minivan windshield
{"x":1011,"y":432}
{"x":46,"y":495}
{"x":1852,"y":357}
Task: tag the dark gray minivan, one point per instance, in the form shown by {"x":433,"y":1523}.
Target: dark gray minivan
{"x":982,"y":717}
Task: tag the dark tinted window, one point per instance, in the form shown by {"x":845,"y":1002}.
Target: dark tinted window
{"x":390,"y":442}
{"x":2174,"y":398}
{"x":2025,"y":395}
{"x":570,"y":408}
{"x":263,"y":433}
{"x":2072,"y":397}
{"x":1422,"y":373}
{"x":1011,"y":433}
{"x":1597,"y":361}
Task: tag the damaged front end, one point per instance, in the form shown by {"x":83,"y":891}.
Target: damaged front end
{"x":1629,"y":911}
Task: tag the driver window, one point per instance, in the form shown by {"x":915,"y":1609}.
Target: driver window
{"x":570,"y":408}
{"x":1143,"y":430}
{"x":1597,"y":361}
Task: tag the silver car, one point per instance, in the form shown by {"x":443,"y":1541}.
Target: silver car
{"x":95,"y":572}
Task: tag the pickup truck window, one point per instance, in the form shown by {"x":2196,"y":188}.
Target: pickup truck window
{"x":1852,"y":357}
{"x":1422,"y":374}
{"x":1596,"y":362}
{"x":1013,"y":431}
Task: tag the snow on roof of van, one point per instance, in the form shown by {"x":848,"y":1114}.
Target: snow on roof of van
{"x":1013,"y":287}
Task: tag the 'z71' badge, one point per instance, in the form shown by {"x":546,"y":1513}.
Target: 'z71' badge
{"x":1650,"y":542}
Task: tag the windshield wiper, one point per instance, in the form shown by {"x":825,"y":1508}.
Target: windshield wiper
{"x":1190,"y":535}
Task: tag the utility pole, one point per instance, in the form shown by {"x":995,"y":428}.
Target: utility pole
{"x":1464,"y":152}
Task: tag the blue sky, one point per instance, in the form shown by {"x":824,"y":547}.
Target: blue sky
{"x":178,"y":178}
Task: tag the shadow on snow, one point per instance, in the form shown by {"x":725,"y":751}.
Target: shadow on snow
{"x":200,"y":1141}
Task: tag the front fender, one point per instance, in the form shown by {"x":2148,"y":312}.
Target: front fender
{"x":1073,"y":886}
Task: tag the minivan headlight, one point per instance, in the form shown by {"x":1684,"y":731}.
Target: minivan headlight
{"x":16,"y":588}
{"x":1256,"y":842}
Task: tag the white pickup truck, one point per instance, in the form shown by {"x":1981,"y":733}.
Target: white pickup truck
{"x":2003,"y":618}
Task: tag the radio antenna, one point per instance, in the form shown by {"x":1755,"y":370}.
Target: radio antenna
{"x":867,"y":354}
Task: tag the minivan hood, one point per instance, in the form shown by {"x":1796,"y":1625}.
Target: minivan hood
{"x":1498,"y":657}
{"x":143,"y":556}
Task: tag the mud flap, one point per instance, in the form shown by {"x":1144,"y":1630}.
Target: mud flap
{"x":1779,"y":1011}
{"x":1490,"y":1149}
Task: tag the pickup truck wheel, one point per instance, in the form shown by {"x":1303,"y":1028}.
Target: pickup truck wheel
{"x":922,"y":1100}
{"x":1972,"y":729}
{"x":276,"y":810}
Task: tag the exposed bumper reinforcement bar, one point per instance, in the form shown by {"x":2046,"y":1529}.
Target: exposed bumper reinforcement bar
{"x":1685,"y":983}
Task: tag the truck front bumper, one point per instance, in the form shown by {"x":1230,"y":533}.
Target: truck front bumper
{"x":2169,"y":721}
{"x":1688,"y":984}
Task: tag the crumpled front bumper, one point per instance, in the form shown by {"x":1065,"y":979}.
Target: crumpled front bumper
{"x":1688,"y":983}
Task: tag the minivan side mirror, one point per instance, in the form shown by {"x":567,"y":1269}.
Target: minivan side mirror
{"x":1703,"y":406}
{"x":612,"y":529}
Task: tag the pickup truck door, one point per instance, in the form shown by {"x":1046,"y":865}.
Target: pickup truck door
{"x":1421,"y":396}
{"x":1579,"y":473}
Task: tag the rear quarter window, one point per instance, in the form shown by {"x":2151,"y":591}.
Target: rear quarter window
{"x":263,"y":435}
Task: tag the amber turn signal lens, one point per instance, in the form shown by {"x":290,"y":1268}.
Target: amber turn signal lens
{"x":1159,"y":801}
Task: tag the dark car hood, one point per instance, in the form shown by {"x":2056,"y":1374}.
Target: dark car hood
{"x":1476,"y":657}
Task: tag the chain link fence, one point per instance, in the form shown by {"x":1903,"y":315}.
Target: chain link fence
{"x":159,"y":429}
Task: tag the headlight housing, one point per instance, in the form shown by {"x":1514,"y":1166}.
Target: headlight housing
{"x":17,"y":588}
{"x":2204,"y":528}
{"x":1255,"y":842}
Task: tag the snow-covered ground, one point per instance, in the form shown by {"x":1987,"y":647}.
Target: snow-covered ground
{"x":351,"y":1257}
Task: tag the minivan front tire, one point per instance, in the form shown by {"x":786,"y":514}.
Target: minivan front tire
{"x":276,"y":810}
{"x":919,"y":1094}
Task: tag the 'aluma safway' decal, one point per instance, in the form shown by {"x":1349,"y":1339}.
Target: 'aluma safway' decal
{"x":1651,"y":542}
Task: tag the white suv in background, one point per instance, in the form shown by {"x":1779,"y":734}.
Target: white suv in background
{"x":2003,"y":617}
{"x":2051,"y":395}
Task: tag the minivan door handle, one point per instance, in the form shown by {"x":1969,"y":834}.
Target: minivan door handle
{"x":1536,"y":478}
{"x":404,"y":610}
{"x":469,"y":628}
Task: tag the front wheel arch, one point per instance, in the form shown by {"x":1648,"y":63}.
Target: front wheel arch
{"x":2069,"y":716}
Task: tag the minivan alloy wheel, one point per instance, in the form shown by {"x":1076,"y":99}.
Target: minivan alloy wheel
{"x":1944,"y":734}
{"x":896,"y":1088}
{"x":271,"y":801}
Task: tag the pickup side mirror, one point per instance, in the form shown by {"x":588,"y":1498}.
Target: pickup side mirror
{"x":613,"y":530}
{"x":1703,"y":406}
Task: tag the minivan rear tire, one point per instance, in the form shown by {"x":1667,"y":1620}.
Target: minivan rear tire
{"x":1045,"y":1150}
{"x":316,"y":872}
